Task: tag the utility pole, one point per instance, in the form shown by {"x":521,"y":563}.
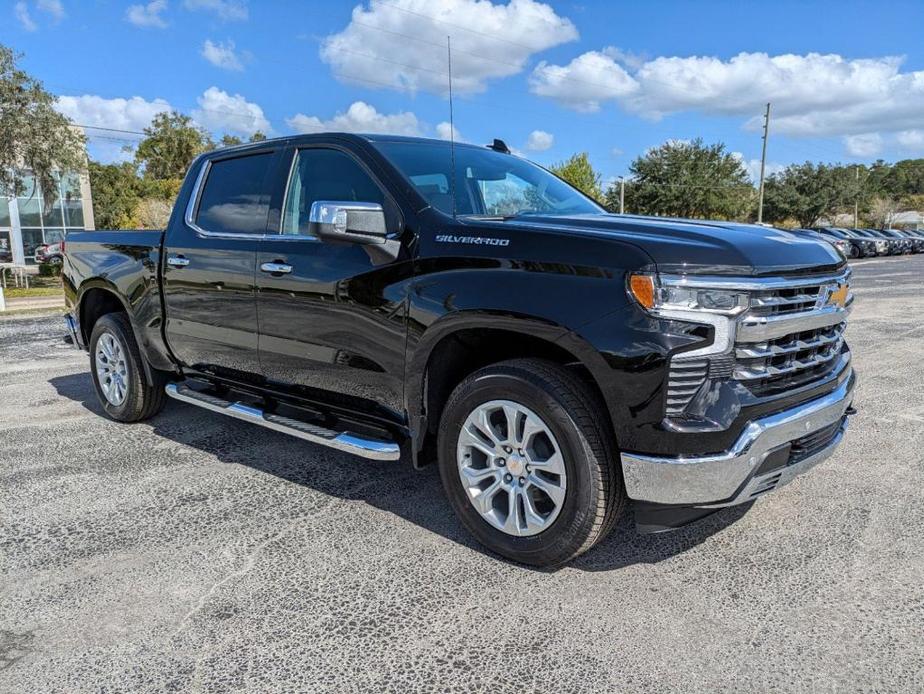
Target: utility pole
{"x":856,"y":200}
{"x":763,"y":164}
{"x":622,"y":195}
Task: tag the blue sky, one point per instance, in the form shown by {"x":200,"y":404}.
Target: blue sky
{"x":846,"y":79}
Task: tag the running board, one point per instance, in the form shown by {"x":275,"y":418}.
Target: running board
{"x":373,"y":449}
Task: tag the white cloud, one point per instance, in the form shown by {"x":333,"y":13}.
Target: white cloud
{"x":753,"y":167}
{"x":617,"y":152}
{"x":134,"y":113}
{"x":445,"y":128}
{"x":147,"y":15}
{"x":539,"y":141}
{"x":53,"y":8}
{"x":586,"y":81}
{"x":911,"y":140}
{"x":228,"y":10}
{"x":813,"y":95}
{"x":865,"y":145}
{"x":223,"y":112}
{"x":222,"y":55}
{"x":360,"y":117}
{"x":21,"y":10}
{"x":401,"y":44}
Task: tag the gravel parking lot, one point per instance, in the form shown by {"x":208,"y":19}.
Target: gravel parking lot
{"x":197,"y":553}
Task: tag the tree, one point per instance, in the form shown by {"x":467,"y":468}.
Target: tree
{"x":229,"y":141}
{"x":882,"y":211}
{"x":152,"y":213}
{"x":171,"y":143}
{"x":806,"y":192}
{"x":33,"y":136}
{"x":579,"y":172}
{"x":258,"y":136}
{"x":116,"y":194}
{"x":687,"y":179}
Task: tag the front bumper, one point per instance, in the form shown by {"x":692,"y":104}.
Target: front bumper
{"x":757,"y":463}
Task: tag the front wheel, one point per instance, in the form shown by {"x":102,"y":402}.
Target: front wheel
{"x":118,"y":372}
{"x":527,"y":461}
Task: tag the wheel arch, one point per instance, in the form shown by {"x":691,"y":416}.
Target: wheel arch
{"x":465,"y":341}
{"x":97,"y":299}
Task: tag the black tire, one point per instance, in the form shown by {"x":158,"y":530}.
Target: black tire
{"x":854,"y":252}
{"x":595,"y":495}
{"x":142,"y":400}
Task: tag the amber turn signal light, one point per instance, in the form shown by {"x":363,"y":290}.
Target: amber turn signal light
{"x":642,"y":288}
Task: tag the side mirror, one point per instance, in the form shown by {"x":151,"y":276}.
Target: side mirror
{"x":354,"y":222}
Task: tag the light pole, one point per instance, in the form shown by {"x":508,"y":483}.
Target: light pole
{"x":763,"y":164}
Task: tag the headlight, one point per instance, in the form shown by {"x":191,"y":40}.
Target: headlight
{"x":657,"y":296}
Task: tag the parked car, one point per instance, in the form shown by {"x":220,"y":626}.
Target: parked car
{"x":853,"y":246}
{"x":843,"y":245}
{"x":881,"y":245}
{"x":866,"y":246}
{"x":916,"y":238}
{"x":904,"y":244}
{"x":50,"y":253}
{"x":892,"y":246}
{"x":395,"y":298}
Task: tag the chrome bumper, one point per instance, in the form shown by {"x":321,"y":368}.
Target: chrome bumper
{"x":728,"y":478}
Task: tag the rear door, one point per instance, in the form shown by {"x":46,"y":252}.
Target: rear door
{"x":211,"y":250}
{"x":334,"y":320}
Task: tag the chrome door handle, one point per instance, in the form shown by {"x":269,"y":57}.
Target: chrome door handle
{"x":281,"y":268}
{"x":177,"y":261}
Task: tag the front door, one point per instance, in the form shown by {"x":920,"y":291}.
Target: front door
{"x":334,"y":320}
{"x":211,"y":251}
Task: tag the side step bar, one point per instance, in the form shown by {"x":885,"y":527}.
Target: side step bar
{"x":373,"y":449}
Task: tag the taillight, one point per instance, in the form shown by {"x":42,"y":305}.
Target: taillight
{"x":62,"y":247}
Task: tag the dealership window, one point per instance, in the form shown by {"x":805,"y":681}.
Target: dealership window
{"x":46,"y":216}
{"x":6,"y":247}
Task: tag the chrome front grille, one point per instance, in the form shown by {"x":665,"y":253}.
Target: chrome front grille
{"x":791,"y":334}
{"x":785,"y":301}
{"x":788,"y":354}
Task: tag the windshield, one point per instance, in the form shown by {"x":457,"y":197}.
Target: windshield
{"x":487,"y":182}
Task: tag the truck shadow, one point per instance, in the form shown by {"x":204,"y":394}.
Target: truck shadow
{"x":415,"y":496}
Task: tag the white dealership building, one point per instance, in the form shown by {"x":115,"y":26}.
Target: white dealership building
{"x":33,"y":218}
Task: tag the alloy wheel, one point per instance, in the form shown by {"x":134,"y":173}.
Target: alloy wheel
{"x":511,"y":467}
{"x":111,"y":369}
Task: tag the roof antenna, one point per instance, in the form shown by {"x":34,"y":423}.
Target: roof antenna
{"x":452,"y":132}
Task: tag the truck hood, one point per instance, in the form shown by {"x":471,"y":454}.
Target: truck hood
{"x":701,"y":247}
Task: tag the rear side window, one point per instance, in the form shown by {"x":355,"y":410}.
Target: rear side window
{"x":235,"y":198}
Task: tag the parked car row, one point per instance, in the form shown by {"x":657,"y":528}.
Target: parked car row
{"x":51,"y":253}
{"x":867,"y":243}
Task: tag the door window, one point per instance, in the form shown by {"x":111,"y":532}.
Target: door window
{"x":236,"y":196}
{"x":325,"y":174}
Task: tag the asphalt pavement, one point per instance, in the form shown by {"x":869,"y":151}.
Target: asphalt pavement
{"x":197,"y":553}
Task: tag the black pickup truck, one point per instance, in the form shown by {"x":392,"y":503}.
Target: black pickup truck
{"x":399,"y":298}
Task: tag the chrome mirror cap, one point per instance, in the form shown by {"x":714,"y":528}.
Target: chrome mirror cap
{"x":356,"y":222}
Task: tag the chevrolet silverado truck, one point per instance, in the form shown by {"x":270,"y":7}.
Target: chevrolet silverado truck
{"x":407,"y":299}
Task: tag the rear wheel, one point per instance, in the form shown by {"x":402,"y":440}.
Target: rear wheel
{"x":854,"y":252}
{"x":118,"y":372}
{"x":527,"y":461}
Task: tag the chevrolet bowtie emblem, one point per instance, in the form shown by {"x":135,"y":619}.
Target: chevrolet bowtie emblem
{"x":838,"y":297}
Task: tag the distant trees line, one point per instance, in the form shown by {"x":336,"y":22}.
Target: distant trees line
{"x":696,"y":180}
